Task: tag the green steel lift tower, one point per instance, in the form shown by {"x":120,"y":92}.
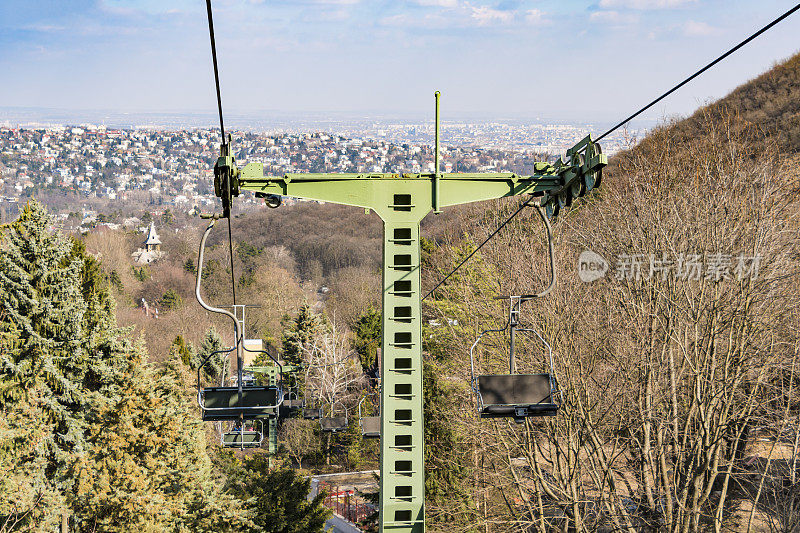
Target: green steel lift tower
{"x":402,"y":200}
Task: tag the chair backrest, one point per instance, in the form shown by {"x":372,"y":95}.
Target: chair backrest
{"x":334,"y":423}
{"x":236,"y":438}
{"x":312,"y":414}
{"x":216,"y":397}
{"x":370,"y":426}
{"x":515,"y":389}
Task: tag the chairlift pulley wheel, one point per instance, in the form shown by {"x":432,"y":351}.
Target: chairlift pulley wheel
{"x":579,"y":185}
{"x":565,"y":198}
{"x":592,"y":179}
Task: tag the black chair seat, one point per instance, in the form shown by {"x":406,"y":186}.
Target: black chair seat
{"x":516,"y":395}
{"x":222,"y":403}
{"x":333,"y":424}
{"x":312,"y":414}
{"x":507,"y":411}
{"x":236,"y":439}
{"x":291,"y":408}
{"x":371,"y":427}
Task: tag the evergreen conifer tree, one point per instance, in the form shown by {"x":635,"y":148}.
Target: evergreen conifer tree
{"x":368,"y":338}
{"x":41,"y":303}
{"x":212,"y":342}
{"x":277,"y":499}
{"x":28,"y":498}
{"x":298,"y":333}
{"x":147,"y":466}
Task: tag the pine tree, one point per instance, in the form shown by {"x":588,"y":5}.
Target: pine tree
{"x":446,"y":452}
{"x":185,"y":351}
{"x":27,"y":496}
{"x":277,"y":498}
{"x":67,"y":349}
{"x":212,"y":342}
{"x":368,"y":338}
{"x":298,"y":333}
{"x":147,"y":466}
{"x":41,"y":303}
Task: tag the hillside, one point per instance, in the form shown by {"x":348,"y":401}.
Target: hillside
{"x":768,"y":103}
{"x":674,"y":366}
{"x":771,"y":102}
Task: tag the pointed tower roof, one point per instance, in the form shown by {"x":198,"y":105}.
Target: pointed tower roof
{"x":152,"y":236}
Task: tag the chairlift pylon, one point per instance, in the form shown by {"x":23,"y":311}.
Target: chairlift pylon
{"x":517,"y":395}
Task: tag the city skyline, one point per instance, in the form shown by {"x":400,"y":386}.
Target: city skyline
{"x":559,"y":62}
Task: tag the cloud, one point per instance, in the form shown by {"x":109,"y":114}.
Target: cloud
{"x":438,"y":3}
{"x":645,"y":4}
{"x":485,"y":15}
{"x":614,"y":18}
{"x":699,"y":29}
{"x":535,"y":16}
{"x":457,"y":14}
{"x":45,"y":28}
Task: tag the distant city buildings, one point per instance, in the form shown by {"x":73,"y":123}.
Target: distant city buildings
{"x":174,"y":168}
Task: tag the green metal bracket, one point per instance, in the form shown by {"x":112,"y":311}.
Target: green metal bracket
{"x":402,"y":200}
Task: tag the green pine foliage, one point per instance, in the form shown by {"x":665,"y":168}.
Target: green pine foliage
{"x":446,"y":451}
{"x":212,"y":342}
{"x":42,"y":305}
{"x":298,"y":332}
{"x":277,"y":499}
{"x":368,"y":338}
{"x":29,"y":497}
{"x":185,"y":351}
{"x":147,"y":465}
{"x":141,"y":273}
{"x":91,"y":434}
{"x":171,"y":300}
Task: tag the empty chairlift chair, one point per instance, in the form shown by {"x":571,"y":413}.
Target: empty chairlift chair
{"x":292,"y":406}
{"x":333,"y":423}
{"x":515,"y":395}
{"x":243,"y":401}
{"x":519,"y":395}
{"x":240,"y":437}
{"x":229,"y":403}
{"x":309,"y":411}
{"x":370,"y":425}
{"x":312,"y":413}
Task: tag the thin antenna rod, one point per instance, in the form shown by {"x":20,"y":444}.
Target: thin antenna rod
{"x":436,"y":206}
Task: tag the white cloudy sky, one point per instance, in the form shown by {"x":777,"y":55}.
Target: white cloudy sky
{"x":578,"y":60}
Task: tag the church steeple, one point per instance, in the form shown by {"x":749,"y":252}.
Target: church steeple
{"x":152,"y":242}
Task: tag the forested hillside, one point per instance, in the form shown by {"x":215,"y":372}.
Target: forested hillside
{"x":678,"y":367}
